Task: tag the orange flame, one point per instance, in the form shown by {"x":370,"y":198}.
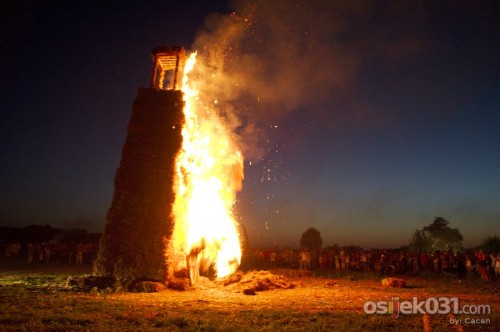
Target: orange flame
{"x":209,"y":172}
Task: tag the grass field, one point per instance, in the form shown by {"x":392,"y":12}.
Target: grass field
{"x":34,"y":298}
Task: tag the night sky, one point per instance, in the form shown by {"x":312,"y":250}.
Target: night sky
{"x":365,"y":120}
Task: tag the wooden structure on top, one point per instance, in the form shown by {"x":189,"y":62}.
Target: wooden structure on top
{"x":168,"y":68}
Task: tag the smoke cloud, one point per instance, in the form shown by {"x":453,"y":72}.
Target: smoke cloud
{"x":269,"y":58}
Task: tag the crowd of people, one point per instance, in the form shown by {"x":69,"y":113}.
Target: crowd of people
{"x":382,"y":262}
{"x":62,"y":252}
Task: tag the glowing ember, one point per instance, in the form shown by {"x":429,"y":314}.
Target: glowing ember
{"x":209,"y":172}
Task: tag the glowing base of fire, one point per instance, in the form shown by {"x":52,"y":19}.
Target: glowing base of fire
{"x":212,"y":233}
{"x":209,"y":171}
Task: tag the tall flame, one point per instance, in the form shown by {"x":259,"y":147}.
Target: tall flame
{"x":209,"y":172}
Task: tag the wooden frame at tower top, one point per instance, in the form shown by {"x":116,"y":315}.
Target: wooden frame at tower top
{"x":168,"y":67}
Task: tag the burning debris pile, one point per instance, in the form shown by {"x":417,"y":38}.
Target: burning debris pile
{"x":257,"y":281}
{"x":247,"y":283}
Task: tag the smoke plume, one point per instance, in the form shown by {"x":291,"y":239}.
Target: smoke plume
{"x":271,"y":57}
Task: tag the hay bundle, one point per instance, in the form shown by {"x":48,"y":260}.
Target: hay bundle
{"x":393,"y":282}
{"x":258,"y":281}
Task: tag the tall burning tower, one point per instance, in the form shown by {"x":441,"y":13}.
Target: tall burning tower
{"x":139,"y":222}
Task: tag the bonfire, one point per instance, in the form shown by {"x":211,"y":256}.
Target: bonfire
{"x":209,"y":172}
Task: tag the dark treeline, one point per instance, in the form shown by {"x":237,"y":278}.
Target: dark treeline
{"x":44,"y":243}
{"x":45,"y":233}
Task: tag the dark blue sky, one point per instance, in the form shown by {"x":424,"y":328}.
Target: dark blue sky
{"x":372,"y":118}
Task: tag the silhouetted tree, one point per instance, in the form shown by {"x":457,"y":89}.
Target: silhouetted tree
{"x":437,"y":236}
{"x":311,"y":239}
{"x":491,"y":244}
{"x":420,"y":242}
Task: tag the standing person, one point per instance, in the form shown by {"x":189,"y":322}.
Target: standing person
{"x":337,"y":261}
{"x":362,"y":261}
{"x":342,"y":259}
{"x":47,"y":252}
{"x":39,"y":251}
{"x":490,"y":266}
{"x":80,"y":248}
{"x":482,"y":265}
{"x":423,"y":261}
{"x":436,"y":264}
{"x":3,"y":249}
{"x":287,"y":257}
{"x":304,"y":259}
{"x":497,"y":266}
{"x":469,"y":267}
{"x":323,"y":260}
{"x":71,"y":252}
{"x":279,"y":258}
{"x":273,"y":259}
{"x":461,"y":266}
{"x":31,"y":251}
{"x":265,"y":258}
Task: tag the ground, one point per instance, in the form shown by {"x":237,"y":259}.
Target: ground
{"x":34,"y":298}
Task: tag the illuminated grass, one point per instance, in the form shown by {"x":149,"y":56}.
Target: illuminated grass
{"x":37,"y":301}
